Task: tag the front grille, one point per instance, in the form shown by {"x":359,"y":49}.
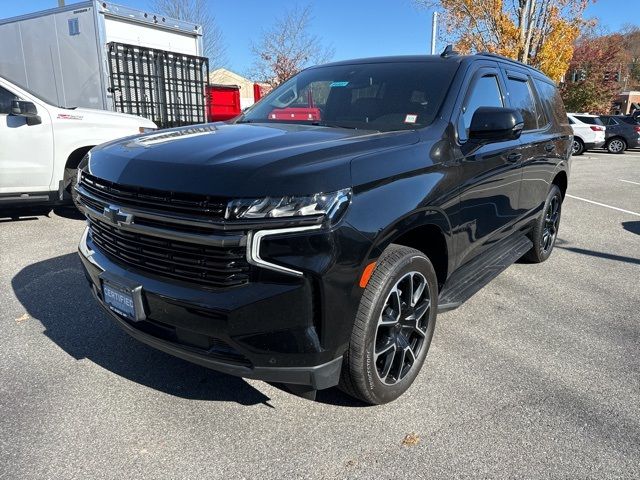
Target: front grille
{"x":147,"y":198}
{"x":206,"y":265}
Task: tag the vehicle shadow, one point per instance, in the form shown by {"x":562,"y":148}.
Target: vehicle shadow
{"x":68,"y":211}
{"x":633,"y":227}
{"x":55,"y":292}
{"x":608,"y":256}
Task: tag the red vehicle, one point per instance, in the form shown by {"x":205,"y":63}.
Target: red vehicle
{"x":308,"y":112}
{"x":223,"y":102}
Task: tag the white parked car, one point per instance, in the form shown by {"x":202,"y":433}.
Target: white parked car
{"x":42,"y":145}
{"x":585,"y":135}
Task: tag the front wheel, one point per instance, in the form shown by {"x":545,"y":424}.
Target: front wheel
{"x":393,"y":327}
{"x":545,"y":231}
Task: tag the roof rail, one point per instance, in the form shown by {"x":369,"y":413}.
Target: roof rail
{"x":448,"y":52}
{"x":507,"y":59}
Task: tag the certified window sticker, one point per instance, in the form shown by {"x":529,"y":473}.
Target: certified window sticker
{"x":411,"y":118}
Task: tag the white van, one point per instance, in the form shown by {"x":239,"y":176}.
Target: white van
{"x":41,"y":145}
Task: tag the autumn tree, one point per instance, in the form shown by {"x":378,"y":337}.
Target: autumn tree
{"x":595,"y":73}
{"x":198,"y":12}
{"x":287,"y":47}
{"x":537,"y":32}
{"x":631,"y":34}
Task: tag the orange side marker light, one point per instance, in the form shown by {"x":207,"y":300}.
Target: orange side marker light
{"x":366,"y":274}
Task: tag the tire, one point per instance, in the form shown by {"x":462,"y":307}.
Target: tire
{"x":399,"y":270}
{"x":70,"y":179}
{"x":616,"y":145}
{"x":545,"y":231}
{"x":577,"y":147}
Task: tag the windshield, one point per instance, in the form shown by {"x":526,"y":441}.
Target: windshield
{"x":373,"y":96}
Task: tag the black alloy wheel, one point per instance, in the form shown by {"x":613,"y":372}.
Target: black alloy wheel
{"x":545,"y":231}
{"x":393,"y":327}
{"x":402,"y":328}
{"x":551,"y":223}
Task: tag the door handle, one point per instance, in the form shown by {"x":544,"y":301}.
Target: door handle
{"x":514,"y":157}
{"x":550,"y":147}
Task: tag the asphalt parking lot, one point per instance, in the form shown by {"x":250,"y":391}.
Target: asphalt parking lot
{"x":537,"y":376}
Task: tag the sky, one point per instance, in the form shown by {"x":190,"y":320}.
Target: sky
{"x":354,"y":28}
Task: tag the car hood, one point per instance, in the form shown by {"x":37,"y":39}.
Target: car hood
{"x":241,"y":160}
{"x":115,"y":118}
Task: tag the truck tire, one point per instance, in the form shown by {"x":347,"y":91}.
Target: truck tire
{"x":545,"y":231}
{"x":393,"y":327}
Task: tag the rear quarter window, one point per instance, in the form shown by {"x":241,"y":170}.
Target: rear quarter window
{"x":551,"y":101}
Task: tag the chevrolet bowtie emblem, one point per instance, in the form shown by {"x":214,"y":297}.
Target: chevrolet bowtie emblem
{"x":116,"y":216}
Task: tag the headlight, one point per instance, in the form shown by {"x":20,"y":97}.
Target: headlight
{"x":327,"y":204}
{"x":146,"y":129}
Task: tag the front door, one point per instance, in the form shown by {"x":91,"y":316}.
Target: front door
{"x":490,"y":175}
{"x":26,"y":151}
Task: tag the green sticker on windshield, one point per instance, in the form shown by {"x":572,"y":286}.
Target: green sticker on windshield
{"x":338,"y":84}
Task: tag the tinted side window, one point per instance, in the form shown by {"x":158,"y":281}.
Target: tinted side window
{"x":522,"y":100}
{"x":485,"y":92}
{"x":6,"y":97}
{"x":551,"y":100}
{"x":589,"y":120}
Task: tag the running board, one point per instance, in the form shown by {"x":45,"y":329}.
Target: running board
{"x":472,"y":277}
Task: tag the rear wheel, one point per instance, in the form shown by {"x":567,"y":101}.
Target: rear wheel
{"x":545,"y":231}
{"x":616,"y":145}
{"x":577,"y":147}
{"x":393,"y":328}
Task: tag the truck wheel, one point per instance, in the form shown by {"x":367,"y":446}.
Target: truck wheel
{"x":70,"y":179}
{"x":577,"y":147}
{"x":393,"y":328}
{"x":616,"y":145}
{"x":545,"y":231}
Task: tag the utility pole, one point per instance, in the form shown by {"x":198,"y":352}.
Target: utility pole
{"x":434,"y":32}
{"x":61,"y":3}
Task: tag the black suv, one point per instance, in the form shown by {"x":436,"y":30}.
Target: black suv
{"x":312,"y":241}
{"x":619,"y":135}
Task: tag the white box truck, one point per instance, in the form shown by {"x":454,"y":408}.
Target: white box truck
{"x":64,"y":73}
{"x":105,"y":56}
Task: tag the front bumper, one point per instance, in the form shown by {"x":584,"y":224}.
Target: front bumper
{"x":264,"y":330}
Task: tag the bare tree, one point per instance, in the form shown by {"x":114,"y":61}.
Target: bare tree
{"x":198,"y":12}
{"x":288,"y":47}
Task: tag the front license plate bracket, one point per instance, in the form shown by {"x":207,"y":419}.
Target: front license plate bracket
{"x":121,"y":293}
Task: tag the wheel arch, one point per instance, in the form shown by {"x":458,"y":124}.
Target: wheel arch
{"x":72,"y":162}
{"x":561,"y":180}
{"x":75,"y":157}
{"x":428,"y":231}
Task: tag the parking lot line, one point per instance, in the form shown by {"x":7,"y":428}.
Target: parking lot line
{"x":605,"y":205}
{"x":629,"y":181}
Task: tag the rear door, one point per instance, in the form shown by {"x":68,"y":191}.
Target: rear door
{"x":543,"y":142}
{"x":490,"y":174}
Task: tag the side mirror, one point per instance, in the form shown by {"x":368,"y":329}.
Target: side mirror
{"x":495,"y":124}
{"x":21,"y":108}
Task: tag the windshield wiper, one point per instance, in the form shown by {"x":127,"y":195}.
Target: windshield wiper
{"x":337,"y":125}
